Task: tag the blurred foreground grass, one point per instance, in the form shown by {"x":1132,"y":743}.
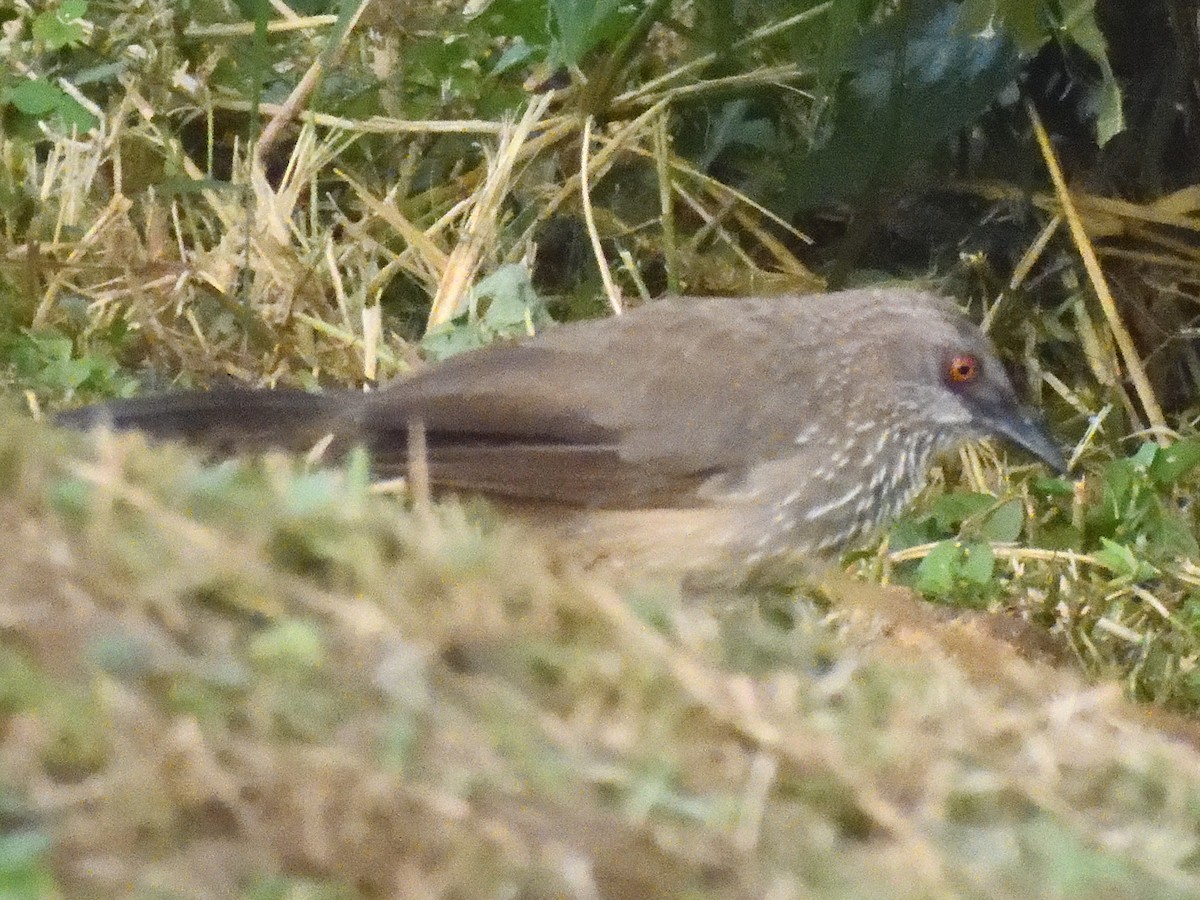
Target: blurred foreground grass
{"x":255,"y":680}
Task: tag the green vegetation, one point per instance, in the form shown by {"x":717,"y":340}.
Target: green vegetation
{"x":276,"y":677}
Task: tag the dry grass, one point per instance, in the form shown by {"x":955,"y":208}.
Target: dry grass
{"x":280,"y":275}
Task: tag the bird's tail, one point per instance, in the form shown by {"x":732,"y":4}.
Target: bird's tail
{"x":226,"y":421}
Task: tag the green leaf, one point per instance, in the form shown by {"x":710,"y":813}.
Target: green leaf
{"x":1030,"y":23}
{"x":511,"y":297}
{"x":1121,"y":480}
{"x":1081,"y":27}
{"x":1022,"y":20}
{"x":40,"y":99}
{"x":1110,"y":116}
{"x":1121,"y":561}
{"x":977,"y":564}
{"x":842,"y":27}
{"x":735,"y":125}
{"x":1048,"y":486}
{"x":74,"y":115}
{"x":951,"y":510}
{"x":578,"y":26}
{"x":1172,"y":463}
{"x":252,"y":9}
{"x":909,"y":531}
{"x":1005,"y":522}
{"x":1145,"y":455}
{"x":918,"y":78}
{"x":36,"y":97}
{"x":936,"y":573}
{"x":451,"y":338}
{"x":61,"y":27}
{"x":502,"y":305}
{"x":1171,"y":537}
{"x":515,"y":54}
{"x":526,"y":19}
{"x":45,"y":360}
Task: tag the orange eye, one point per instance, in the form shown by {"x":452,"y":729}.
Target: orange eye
{"x":963,"y":369}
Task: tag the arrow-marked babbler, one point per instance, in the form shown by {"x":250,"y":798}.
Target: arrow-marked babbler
{"x":687,"y":433}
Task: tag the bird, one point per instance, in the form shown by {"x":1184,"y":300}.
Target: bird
{"x":720,"y":433}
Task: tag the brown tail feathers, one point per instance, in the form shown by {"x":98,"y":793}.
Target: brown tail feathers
{"x":226,"y":421}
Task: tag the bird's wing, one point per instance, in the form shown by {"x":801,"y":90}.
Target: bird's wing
{"x":631,"y":412}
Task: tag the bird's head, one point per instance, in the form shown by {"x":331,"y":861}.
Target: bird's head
{"x":942,"y":372}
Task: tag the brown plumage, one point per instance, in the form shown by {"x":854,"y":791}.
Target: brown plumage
{"x":739,"y":430}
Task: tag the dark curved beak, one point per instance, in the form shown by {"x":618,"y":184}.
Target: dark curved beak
{"x":1026,"y":430}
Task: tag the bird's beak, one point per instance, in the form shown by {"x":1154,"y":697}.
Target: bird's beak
{"x":1027,"y":431}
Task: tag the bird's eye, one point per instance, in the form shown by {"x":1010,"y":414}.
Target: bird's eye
{"x":963,"y":369}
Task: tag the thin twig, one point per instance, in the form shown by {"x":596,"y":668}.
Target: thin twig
{"x":1129,"y":354}
{"x":610,"y":286}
